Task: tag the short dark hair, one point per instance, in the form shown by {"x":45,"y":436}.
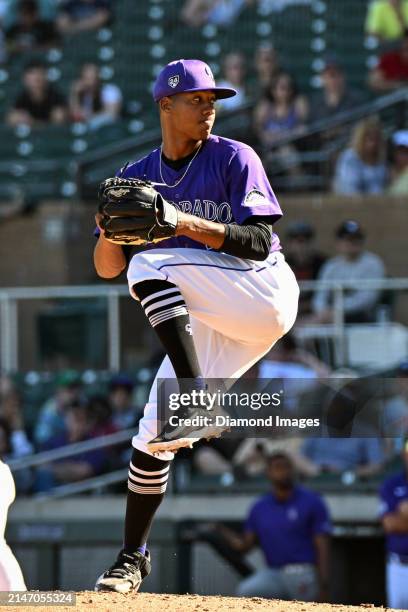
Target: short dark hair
{"x":34,"y":64}
{"x":278,"y":455}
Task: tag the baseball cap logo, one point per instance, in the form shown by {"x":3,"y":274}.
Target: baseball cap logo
{"x":210,"y":74}
{"x":174,"y":81}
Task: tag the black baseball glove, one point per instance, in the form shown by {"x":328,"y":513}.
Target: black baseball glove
{"x":134,"y":212}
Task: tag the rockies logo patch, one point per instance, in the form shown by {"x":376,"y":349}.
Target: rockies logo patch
{"x":254,"y":196}
{"x":174,"y":81}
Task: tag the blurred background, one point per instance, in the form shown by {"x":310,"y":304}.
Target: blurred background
{"x":323,"y":98}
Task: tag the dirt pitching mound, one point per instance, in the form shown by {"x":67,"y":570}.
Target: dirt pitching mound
{"x":145,"y":602}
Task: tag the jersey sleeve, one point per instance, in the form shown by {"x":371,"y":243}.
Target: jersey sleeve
{"x":250,"y":523}
{"x":388,"y":501}
{"x":249,"y":190}
{"x":321,"y":522}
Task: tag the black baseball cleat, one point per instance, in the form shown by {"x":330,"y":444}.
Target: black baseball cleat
{"x":126,"y":574}
{"x":188,"y":425}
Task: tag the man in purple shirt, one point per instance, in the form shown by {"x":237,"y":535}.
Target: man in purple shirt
{"x":218,"y":293}
{"x":291,"y":526}
{"x":394,"y":516}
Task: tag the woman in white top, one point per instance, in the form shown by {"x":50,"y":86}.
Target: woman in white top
{"x":361,"y":169}
{"x":11,"y":577}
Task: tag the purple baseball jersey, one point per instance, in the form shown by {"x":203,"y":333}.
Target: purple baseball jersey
{"x":394,"y":491}
{"x":226,"y":183}
{"x":285,"y":529}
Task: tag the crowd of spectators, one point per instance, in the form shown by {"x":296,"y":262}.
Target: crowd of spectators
{"x":280,"y":108}
{"x":37,"y":25}
{"x":34,"y":26}
{"x":71,"y":414}
{"x":90,"y":101}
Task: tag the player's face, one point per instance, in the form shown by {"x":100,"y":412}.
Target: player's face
{"x":193,"y":114}
{"x":280,"y":473}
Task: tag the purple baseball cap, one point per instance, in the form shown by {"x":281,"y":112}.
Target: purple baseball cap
{"x":187,"y":75}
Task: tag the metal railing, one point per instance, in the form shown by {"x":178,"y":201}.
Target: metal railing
{"x":316,"y":152}
{"x":376,"y":106}
{"x":11,"y":297}
{"x":70,"y":450}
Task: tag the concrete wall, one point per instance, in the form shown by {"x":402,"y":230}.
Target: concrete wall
{"x":52,"y":246}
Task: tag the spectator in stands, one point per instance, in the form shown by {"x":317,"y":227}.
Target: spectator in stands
{"x":251,"y":456}
{"x":335,"y":96}
{"x":303,"y":257}
{"x":387,"y":19}
{"x":349,"y":458}
{"x":267,"y":66}
{"x":124,"y":412}
{"x":352,"y":262}
{"x":394,"y":416}
{"x":391,"y":72}
{"x":92,"y":101}
{"x":47,"y":10}
{"x":11,"y":411}
{"x":14,"y":445}
{"x":280,"y":111}
{"x":29,"y":32}
{"x":82,"y":15}
{"x":196,"y":13}
{"x":234,"y":74}
{"x":298,"y":367}
{"x":291,"y":525}
{"x":50,"y":422}
{"x":361,"y":169}
{"x":100,"y":413}
{"x":399,"y":171}
{"x":394,"y":516}
{"x":38,"y":102}
{"x":288,"y":360}
{"x":78,"y":425}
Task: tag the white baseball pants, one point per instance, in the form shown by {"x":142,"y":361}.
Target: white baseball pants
{"x":397,"y":584}
{"x":11,"y":578}
{"x":238,"y":309}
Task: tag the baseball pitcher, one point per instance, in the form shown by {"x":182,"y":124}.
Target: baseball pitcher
{"x":211,"y":279}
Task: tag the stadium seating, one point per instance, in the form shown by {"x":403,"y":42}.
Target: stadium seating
{"x":142,"y":37}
